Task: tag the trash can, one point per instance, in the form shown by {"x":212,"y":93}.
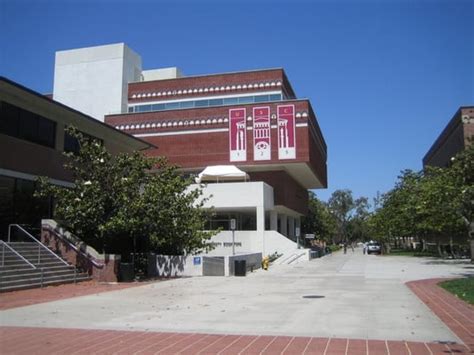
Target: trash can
{"x":240,"y":268}
{"x":127,"y":272}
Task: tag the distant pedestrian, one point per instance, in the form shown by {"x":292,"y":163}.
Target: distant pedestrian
{"x":352,"y":246}
{"x":345,"y":248}
{"x":364,"y":248}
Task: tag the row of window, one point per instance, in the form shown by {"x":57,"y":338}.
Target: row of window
{"x":20,"y":123}
{"x":205,"y":103}
{"x":23,"y":124}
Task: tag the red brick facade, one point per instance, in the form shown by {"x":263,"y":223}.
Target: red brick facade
{"x":194,"y":151}
{"x":194,"y":138}
{"x":453,"y":139}
{"x":202,"y":86}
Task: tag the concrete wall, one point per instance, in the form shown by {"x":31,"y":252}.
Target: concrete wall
{"x":199,"y":265}
{"x":103,"y":268}
{"x":253,"y":262}
{"x":95,"y":80}
{"x":174,"y":265}
{"x":266,"y":242}
{"x":161,"y":74}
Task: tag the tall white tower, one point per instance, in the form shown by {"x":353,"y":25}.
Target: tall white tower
{"x":94,"y":80}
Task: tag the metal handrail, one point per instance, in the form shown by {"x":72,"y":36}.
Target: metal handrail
{"x":15,"y":252}
{"x":76,"y":249}
{"x":36,"y":240}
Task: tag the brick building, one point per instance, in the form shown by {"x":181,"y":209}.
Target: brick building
{"x":453,"y":139}
{"x":252,"y":120}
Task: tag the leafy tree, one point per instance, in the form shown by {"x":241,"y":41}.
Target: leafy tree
{"x":116,"y":200}
{"x":435,"y":204}
{"x":358,"y":224}
{"x":341,"y":203}
{"x":319,"y":220}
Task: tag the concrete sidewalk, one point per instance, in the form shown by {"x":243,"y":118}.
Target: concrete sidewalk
{"x":351,"y":296}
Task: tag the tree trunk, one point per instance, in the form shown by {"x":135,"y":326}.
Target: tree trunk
{"x":472,"y":251}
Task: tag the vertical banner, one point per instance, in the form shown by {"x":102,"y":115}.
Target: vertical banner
{"x":261,"y":133}
{"x":237,"y":134}
{"x":286,"y":132}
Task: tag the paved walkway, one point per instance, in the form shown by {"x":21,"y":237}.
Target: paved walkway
{"x":81,"y":341}
{"x":455,"y":313}
{"x":40,"y":328}
{"x":54,"y":293}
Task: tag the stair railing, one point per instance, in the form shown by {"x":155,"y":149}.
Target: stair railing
{"x":5,"y":245}
{"x":40,"y":245}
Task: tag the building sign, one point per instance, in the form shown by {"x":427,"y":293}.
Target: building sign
{"x":286,"y":132}
{"x":237,"y":135}
{"x":197,"y":260}
{"x":261,"y":133}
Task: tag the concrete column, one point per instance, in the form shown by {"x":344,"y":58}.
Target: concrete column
{"x":283,"y":224}
{"x":291,"y":227}
{"x":298,"y":225}
{"x":273,"y":220}
{"x":260,"y":219}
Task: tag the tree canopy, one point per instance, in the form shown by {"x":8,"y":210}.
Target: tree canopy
{"x":117,"y":199}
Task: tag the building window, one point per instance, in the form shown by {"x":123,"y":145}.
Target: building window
{"x":71,"y":144}
{"x":26,"y":125}
{"x":18,"y":205}
{"x":205,"y":103}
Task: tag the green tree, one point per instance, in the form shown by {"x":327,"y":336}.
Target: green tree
{"x":319,"y":220}
{"x":341,"y":203}
{"x":358,"y":224}
{"x":119,"y":199}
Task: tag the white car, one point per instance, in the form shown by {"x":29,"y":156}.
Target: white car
{"x":374,"y":247}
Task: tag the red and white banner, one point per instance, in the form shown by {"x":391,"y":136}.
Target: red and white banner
{"x":286,"y":132}
{"x":262,"y":149}
{"x":237,"y":134}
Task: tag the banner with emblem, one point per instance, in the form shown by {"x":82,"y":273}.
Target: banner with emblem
{"x":286,"y":132}
{"x":237,"y":134}
{"x":261,"y":133}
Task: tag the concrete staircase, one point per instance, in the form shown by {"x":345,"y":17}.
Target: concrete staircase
{"x":292,"y":257}
{"x":30,"y":265}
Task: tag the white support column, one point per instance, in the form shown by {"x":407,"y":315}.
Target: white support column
{"x":274,"y":220}
{"x":260,"y":219}
{"x":298,"y":224}
{"x":291,"y":227}
{"x":283,"y":225}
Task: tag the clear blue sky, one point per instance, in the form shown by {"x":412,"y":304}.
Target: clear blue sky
{"x":384,"y":77}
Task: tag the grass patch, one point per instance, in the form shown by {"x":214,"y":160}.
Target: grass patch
{"x":404,"y":252}
{"x":461,"y":288}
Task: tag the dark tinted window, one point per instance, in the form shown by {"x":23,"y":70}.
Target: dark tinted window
{"x":27,"y":125}
{"x":187,"y":104}
{"x":172,"y":105}
{"x":261,"y":98}
{"x":71,"y":144}
{"x":216,"y":102}
{"x":158,"y":107}
{"x":246,"y":100}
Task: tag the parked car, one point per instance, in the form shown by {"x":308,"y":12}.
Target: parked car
{"x":374,"y":248}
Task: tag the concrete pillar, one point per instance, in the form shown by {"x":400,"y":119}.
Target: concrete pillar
{"x":260,"y":219}
{"x":283,"y":224}
{"x":291,"y":227}
{"x":273,"y":220}
{"x":298,"y":225}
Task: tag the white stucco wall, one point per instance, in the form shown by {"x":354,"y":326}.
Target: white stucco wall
{"x":235,"y":195}
{"x":94,"y":80}
{"x":267,"y":242}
